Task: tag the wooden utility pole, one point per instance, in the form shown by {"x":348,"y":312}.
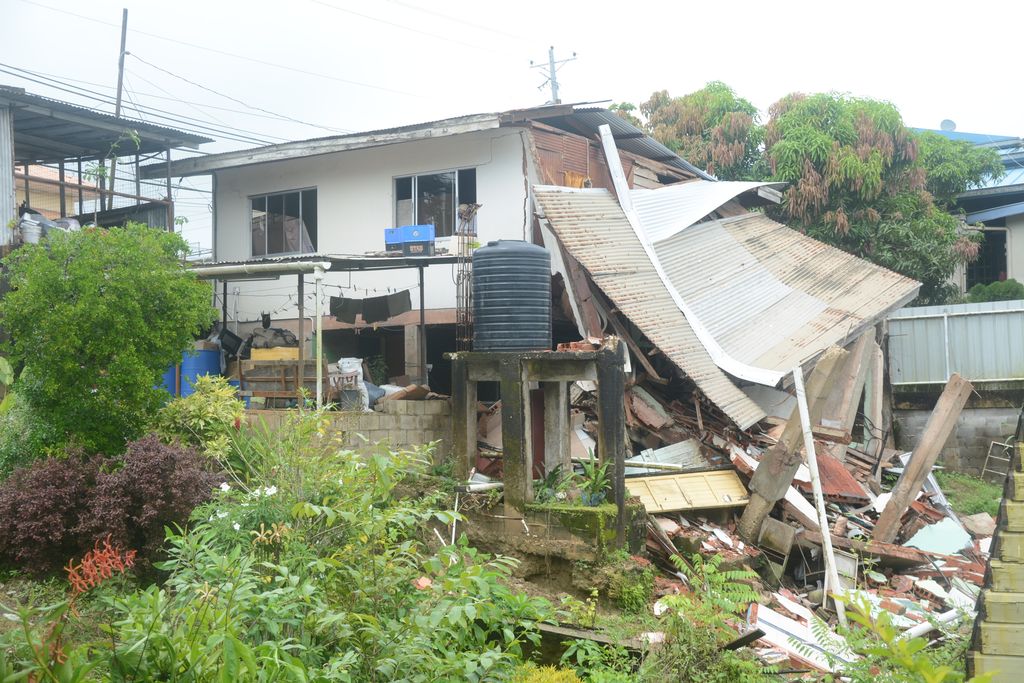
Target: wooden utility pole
{"x":117,"y":103}
{"x":780,"y":462}
{"x":936,"y":432}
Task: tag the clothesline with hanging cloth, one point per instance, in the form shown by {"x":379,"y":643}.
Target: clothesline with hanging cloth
{"x":374,"y":309}
{"x":319,"y":264}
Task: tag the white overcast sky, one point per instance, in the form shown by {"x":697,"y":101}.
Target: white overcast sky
{"x":350,"y":66}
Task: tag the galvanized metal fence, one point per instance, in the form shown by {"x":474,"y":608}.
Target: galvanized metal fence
{"x":981,"y":342}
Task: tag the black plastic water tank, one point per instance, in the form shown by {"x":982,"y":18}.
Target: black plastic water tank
{"x":511,"y":297}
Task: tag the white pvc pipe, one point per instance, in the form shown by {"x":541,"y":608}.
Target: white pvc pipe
{"x":928,"y":626}
{"x":831,"y":574}
{"x":318,"y":276}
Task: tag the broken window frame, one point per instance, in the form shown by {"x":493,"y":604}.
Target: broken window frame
{"x":412,"y":211}
{"x":308,"y":235}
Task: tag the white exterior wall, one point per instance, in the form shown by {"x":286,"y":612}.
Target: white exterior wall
{"x":1015,"y":248}
{"x":355,"y":203}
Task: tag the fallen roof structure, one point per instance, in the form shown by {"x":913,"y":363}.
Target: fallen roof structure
{"x":739,"y":296}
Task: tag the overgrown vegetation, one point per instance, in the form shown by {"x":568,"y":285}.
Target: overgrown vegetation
{"x":95,"y":316}
{"x":205,"y":419}
{"x":969,"y":495}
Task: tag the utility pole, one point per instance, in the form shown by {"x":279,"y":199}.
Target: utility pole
{"x":552,"y":66}
{"x":117,"y":105}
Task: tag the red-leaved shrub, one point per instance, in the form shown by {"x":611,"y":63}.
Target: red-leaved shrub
{"x":57,"y":509}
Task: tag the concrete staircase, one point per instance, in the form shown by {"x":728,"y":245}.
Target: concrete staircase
{"x":998,"y":644}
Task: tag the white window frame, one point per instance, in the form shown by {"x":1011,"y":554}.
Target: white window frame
{"x":267,"y":195}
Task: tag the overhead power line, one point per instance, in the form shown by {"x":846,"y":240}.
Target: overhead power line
{"x":254,"y":60}
{"x":198,"y":127}
{"x":235,"y":99}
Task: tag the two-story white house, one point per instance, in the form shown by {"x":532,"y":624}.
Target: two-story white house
{"x":337,"y":195}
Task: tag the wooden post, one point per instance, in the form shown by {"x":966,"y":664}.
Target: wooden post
{"x":556,"y":427}
{"x":780,"y":462}
{"x":611,"y":418}
{"x":463,"y":419}
{"x":874,"y":390}
{"x":840,"y":408}
{"x":936,"y":432}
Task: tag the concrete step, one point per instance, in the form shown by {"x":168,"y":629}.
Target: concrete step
{"x":1007,"y":577}
{"x":1017,"y":486}
{"x":1011,"y":546}
{"x":1002,"y":639}
{"x":1014,"y":515}
{"x":1003,"y":608}
{"x":1007,"y":669}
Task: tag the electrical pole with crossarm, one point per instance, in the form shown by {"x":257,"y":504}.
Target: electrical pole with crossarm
{"x":552,"y":66}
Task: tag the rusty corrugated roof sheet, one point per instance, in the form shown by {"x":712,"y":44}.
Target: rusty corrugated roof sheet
{"x":837,"y":484}
{"x":773,"y":298}
{"x":591,"y":226}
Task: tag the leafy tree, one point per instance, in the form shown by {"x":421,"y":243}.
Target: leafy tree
{"x":859,"y":179}
{"x":712,"y":128}
{"x":95,"y":316}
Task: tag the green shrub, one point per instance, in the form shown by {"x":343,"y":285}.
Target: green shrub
{"x":205,"y":419}
{"x":95,"y":317}
{"x":1000,"y":290}
{"x":57,"y":509}
{"x":970,"y":495}
{"x":25,"y":435}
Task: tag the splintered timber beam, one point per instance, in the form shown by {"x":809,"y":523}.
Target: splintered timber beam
{"x":940,"y":425}
{"x":779,"y":464}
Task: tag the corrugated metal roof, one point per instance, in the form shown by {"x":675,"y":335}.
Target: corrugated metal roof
{"x":47,"y":130}
{"x":996,"y":212}
{"x":744,"y":293}
{"x":667,"y":210}
{"x":771,"y":297}
{"x":594,"y":229}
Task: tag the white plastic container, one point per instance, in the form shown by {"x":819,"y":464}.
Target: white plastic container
{"x":31,"y":232}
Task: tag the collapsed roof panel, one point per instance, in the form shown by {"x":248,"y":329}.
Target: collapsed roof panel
{"x":771,"y":297}
{"x":590,"y":225}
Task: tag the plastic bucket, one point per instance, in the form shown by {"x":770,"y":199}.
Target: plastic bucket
{"x":31,"y":232}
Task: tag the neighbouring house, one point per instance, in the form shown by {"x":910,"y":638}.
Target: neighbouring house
{"x":999,"y":205}
{"x":56,"y":160}
{"x":337,"y":195}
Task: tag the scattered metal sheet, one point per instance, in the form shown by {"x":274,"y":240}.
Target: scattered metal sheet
{"x":685,"y":455}
{"x":692,"y":491}
{"x":945,"y":538}
{"x":837,"y":484}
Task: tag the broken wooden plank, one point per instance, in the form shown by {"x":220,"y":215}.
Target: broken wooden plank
{"x":648,"y":409}
{"x":941,"y":424}
{"x":691,"y":491}
{"x":780,"y":462}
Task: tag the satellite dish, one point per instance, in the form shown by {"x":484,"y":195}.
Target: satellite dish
{"x":948,"y":125}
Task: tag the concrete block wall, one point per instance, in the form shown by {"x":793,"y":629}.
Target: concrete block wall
{"x":399,"y":423}
{"x":968,"y":445}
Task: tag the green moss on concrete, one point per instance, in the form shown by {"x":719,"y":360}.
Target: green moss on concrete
{"x":594,"y":524}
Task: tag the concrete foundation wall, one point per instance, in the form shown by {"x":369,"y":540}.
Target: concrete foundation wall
{"x":968,"y":445}
{"x":399,"y":423}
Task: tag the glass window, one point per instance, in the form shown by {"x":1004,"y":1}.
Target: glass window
{"x":433,"y":199}
{"x":284,"y":223}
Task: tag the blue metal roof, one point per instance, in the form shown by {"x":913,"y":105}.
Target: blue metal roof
{"x":973,"y":138}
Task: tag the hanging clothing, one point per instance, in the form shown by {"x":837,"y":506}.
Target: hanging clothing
{"x":399,"y":303}
{"x":375,"y":309}
{"x":345,"y":310}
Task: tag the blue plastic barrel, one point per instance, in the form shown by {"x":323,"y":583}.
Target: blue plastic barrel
{"x":167,"y":381}
{"x":196,"y":364}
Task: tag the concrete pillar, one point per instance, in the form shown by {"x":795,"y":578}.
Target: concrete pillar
{"x":556,"y":427}
{"x":516,"y":446}
{"x":8,"y":201}
{"x":463,"y":419}
{"x":611,"y":419}
{"x":413,"y":368}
